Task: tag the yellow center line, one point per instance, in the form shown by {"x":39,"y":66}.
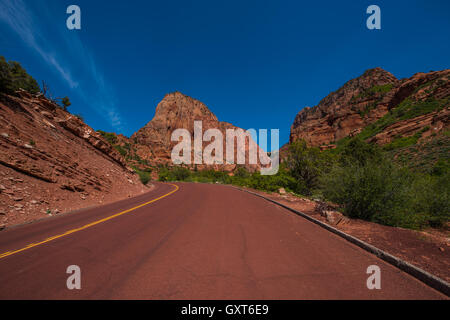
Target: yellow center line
{"x":32,"y":245}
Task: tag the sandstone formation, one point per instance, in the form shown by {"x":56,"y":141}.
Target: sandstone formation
{"x":339,"y":114}
{"x":363,"y":101}
{"x":52,"y":162}
{"x":178,"y":111}
{"x":422,"y":87}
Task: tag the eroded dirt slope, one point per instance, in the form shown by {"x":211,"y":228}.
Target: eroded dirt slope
{"x":52,"y":162}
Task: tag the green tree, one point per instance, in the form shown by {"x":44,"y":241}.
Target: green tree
{"x":241,"y":172}
{"x":5,"y":77}
{"x":66,"y":103}
{"x":144,"y":176}
{"x":21,"y":79}
{"x":357,"y":151}
{"x":307,"y":165}
{"x":14,"y":77}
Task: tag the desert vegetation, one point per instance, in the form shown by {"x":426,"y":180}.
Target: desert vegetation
{"x":361,"y":178}
{"x":13,"y":77}
{"x":408,"y":109}
{"x":140,"y":166}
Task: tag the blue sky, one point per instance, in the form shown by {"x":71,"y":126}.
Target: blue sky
{"x":255,"y":64}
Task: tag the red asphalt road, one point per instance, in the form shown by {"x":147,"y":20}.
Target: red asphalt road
{"x":201,"y":242}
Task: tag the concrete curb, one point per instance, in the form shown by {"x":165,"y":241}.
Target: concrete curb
{"x":422,"y":275}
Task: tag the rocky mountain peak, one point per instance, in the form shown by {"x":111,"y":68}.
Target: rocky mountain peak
{"x":176,"y":107}
{"x":176,"y":110}
{"x":369,"y":79}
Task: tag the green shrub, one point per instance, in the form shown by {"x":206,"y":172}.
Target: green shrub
{"x":144,"y":176}
{"x":357,"y":176}
{"x":373,"y":191}
{"x":242,"y":173}
{"x":388,"y":194}
{"x":14,"y":77}
{"x":271,"y":183}
{"x":441,"y":168}
{"x":109,"y":136}
{"x":121,"y":150}
{"x":306,"y":165}
{"x":164,"y":175}
{"x":407,"y":109}
{"x":357,"y":151}
{"x":403,"y":142}
{"x":180,"y":173}
{"x":384,"y":88}
{"x":430,"y":197}
{"x":174,"y":174}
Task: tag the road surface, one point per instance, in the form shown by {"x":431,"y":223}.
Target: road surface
{"x":192,"y":241}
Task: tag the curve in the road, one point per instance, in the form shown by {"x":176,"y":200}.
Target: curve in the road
{"x":32,"y":245}
{"x":203,"y":242}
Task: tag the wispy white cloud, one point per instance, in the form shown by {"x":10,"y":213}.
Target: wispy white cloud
{"x":15,"y":14}
{"x":96,"y":92}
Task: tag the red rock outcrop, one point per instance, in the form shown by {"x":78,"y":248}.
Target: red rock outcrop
{"x":178,"y":111}
{"x":419,"y":88}
{"x":366,"y":99}
{"x":51,"y":162}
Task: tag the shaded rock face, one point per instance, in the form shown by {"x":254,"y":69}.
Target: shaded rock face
{"x":366,"y":99}
{"x":178,"y":111}
{"x":51,"y":159}
{"x":346,"y":110}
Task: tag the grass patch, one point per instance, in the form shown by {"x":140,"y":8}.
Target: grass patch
{"x":402,"y":142}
